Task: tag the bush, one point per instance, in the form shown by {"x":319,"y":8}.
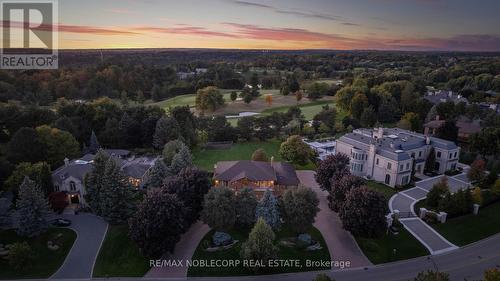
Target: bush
{"x":456,"y":204}
{"x":58,"y":201}
{"x":20,"y":255}
{"x":438,"y":191}
{"x":477,"y":196}
{"x":323,"y":277}
{"x":432,"y":276}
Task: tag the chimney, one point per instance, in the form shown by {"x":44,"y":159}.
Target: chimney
{"x":66,"y":161}
{"x":272,"y":160}
{"x":437,"y":117}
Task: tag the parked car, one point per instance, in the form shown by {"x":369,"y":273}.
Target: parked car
{"x":61,"y":222}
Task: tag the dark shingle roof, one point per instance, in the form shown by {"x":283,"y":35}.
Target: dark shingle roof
{"x":282,"y":173}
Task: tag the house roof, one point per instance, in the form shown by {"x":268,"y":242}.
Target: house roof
{"x":394,"y":143}
{"x":78,"y":168}
{"x":282,"y":173}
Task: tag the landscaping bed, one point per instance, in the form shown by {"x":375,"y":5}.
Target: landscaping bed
{"x":119,"y":256}
{"x":381,"y":250}
{"x":45,"y":262}
{"x":233,"y":253}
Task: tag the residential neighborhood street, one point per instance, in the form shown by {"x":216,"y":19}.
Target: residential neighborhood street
{"x":79,"y":263}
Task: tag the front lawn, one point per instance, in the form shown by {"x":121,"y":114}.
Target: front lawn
{"x":382,"y":188}
{"x":206,"y":159}
{"x":233,"y":253}
{"x":45,"y":261}
{"x":119,"y":256}
{"x":471,"y":228}
{"x":381,"y":250}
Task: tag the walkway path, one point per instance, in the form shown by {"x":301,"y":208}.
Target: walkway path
{"x":341,"y":244}
{"x":79,"y":263}
{"x":404,"y":202}
{"x":184,"y":250}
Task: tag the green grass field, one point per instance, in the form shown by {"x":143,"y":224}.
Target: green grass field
{"x":234,"y":254}
{"x":45,"y":261}
{"x":381,"y":250}
{"x":239,"y":151}
{"x":119,"y":256}
{"x":471,"y":228}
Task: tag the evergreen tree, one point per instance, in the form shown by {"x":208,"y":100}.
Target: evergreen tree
{"x":33,"y":209}
{"x":170,"y":149}
{"x":300,"y":206}
{"x":268,"y":209}
{"x":181,"y":160}
{"x":157,"y":175}
{"x":93,"y":182}
{"x":219,"y":210}
{"x":167,"y":129}
{"x":94,"y":145}
{"x":260,"y":244}
{"x":246,"y":204}
{"x":430,"y":162}
{"x":117,"y":197}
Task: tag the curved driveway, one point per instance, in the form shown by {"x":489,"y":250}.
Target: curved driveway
{"x":79,"y":263}
{"x":341,"y":243}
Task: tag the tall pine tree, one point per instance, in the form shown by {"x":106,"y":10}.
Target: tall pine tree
{"x":94,"y":145}
{"x":33,"y":209}
{"x":268,"y":210}
{"x":181,"y":160}
{"x":157,"y":174}
{"x":93,"y":182}
{"x":118,"y":200}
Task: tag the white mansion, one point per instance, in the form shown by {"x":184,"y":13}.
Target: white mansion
{"x":387,"y":155}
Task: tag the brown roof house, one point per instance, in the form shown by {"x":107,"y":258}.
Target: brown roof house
{"x":260,"y":176}
{"x":466,"y":127}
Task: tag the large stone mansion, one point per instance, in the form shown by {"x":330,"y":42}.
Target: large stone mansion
{"x":387,"y":154}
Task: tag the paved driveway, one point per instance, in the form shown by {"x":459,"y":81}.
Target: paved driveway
{"x":79,"y":263}
{"x":184,"y":250}
{"x":341,"y":244}
{"x":404,"y":201}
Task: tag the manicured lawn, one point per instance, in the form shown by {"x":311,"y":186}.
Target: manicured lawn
{"x":308,"y":109}
{"x":119,"y":256}
{"x":382,"y":188}
{"x":45,"y":262}
{"x":381,"y":250}
{"x":470,"y":228}
{"x":206,"y":159}
{"x":233,"y":253}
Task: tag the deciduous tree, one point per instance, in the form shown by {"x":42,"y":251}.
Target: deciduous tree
{"x":363,"y":213}
{"x":158,"y":223}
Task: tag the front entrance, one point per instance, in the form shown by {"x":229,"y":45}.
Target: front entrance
{"x":74,"y":199}
{"x":387,"y":179}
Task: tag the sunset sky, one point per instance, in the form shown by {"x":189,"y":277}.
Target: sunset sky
{"x":465,"y":25}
